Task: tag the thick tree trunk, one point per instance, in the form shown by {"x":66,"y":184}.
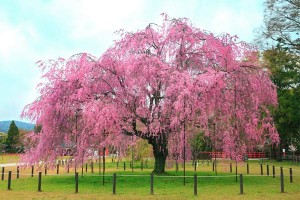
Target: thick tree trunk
{"x":160,"y":152}
{"x":160,"y":163}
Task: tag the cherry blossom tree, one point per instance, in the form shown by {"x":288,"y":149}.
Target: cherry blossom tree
{"x":164,"y":84}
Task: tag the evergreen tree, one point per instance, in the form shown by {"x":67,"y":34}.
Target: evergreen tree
{"x":12,"y":137}
{"x":285,"y":68}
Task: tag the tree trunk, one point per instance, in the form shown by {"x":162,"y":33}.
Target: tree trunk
{"x":279,"y":158}
{"x":274,"y":152}
{"x":160,"y":152}
{"x":160,"y":163}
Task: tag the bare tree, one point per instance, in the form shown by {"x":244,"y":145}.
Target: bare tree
{"x":281,"y":23}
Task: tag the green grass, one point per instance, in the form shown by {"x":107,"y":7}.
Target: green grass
{"x":9,"y":158}
{"x":136,"y":185}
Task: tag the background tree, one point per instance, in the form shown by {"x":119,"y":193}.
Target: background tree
{"x":285,"y":68}
{"x":141,"y":150}
{"x":282,"y":24}
{"x":3,"y":137}
{"x":12,"y":137}
{"x":163,"y":84}
{"x":198,"y":143}
{"x":22,"y":137}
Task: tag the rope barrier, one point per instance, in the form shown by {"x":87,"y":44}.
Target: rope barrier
{"x":135,"y":175}
{"x":157,"y":176}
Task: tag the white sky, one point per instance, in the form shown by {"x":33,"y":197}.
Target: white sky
{"x":32,"y":30}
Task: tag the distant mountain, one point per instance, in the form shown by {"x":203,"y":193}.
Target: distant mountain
{"x":4,"y":125}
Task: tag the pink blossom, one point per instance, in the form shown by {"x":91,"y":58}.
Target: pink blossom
{"x":151,"y":84}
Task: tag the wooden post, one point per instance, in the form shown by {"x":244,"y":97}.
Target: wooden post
{"x":103,"y":173}
{"x":76,"y":182}
{"x":291,"y":175}
{"x":99,"y":165}
{"x":273,"y":171}
{"x":281,"y":180}
{"x":9,"y":181}
{"x":124,"y":166}
{"x":195,"y":185}
{"x":32,"y":169}
{"x":261,"y":170}
{"x":45,"y":170}
{"x":40,"y":182}
{"x":2,"y":176}
{"x":114,"y":183}
{"x":151,"y":183}
{"x":18,"y":172}
{"x":268,"y":170}
{"x":236,"y":173}
{"x":241,"y":184}
{"x":247,"y":168}
{"x":230,"y":167}
{"x":57,"y":169}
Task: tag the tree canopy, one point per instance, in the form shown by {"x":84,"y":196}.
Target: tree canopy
{"x":282,"y":23}
{"x":285,"y":68}
{"x":163,"y":83}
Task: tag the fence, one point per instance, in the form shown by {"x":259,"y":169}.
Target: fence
{"x":151,"y":180}
{"x":210,"y":155}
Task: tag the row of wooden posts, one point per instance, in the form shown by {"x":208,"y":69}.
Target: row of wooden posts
{"x":62,"y":163}
{"x":82,"y":167}
{"x":151,"y":182}
{"x":214,"y":168}
{"x":261,"y":170}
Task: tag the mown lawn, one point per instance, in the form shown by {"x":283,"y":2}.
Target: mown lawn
{"x":136,"y":185}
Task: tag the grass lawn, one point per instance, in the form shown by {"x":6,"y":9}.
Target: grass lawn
{"x":136,"y":185}
{"x":9,"y":158}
